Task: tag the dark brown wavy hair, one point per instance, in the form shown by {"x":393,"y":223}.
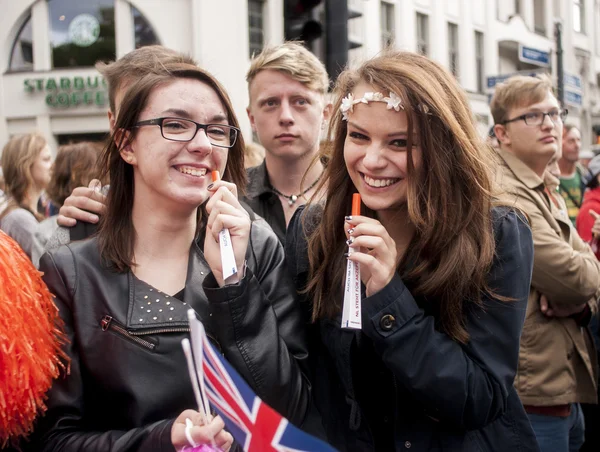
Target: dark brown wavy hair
{"x":449,"y":197}
{"x":75,"y":166}
{"x":116,"y":233}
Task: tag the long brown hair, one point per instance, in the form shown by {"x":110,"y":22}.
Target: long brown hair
{"x":18,"y":157}
{"x":116,"y":234}
{"x":449,"y":196}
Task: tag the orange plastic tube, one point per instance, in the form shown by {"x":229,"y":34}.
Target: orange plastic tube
{"x":356,"y":204}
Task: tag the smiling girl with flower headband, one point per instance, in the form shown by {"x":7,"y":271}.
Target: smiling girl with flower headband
{"x":445,"y":272}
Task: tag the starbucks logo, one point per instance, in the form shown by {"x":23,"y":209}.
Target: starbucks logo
{"x":84,"y":30}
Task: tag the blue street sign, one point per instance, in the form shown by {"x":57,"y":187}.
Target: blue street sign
{"x":573,"y":99}
{"x":572,"y":80}
{"x":493,"y":80}
{"x":534,"y":56}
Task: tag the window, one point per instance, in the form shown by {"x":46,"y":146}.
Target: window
{"x":81,"y":33}
{"x":479,"y":68}
{"x":144,"y":33}
{"x":539,"y":17}
{"x":21,"y":56}
{"x":256,"y":26}
{"x":422,"y":33}
{"x":388,"y":33}
{"x":453,"y":48}
{"x":578,"y":16}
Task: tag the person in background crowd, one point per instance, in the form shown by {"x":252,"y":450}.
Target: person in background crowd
{"x":254,"y":155}
{"x":557,"y":362}
{"x":588,"y":227}
{"x":572,"y":173}
{"x":26,"y":163}
{"x":75,"y":165}
{"x":288,"y":110}
{"x":445,"y":275}
{"x":588,"y":223}
{"x":585,"y":157}
{"x":491,"y":138}
{"x":156,"y":254}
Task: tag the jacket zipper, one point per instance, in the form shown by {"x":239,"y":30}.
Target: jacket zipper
{"x":108,"y":323}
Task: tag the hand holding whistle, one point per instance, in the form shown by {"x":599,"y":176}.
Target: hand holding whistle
{"x":371,"y":246}
{"x":228,"y":232}
{"x":351,"y":312}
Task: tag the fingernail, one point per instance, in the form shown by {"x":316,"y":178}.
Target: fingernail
{"x":350,"y":241}
{"x":94,"y":219}
{"x":210,"y":186}
{"x":346,"y":254}
{"x":350,"y":231}
{"x":348,"y":218}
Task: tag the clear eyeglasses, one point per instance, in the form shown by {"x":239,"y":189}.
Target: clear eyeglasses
{"x":179,"y":129}
{"x":536,"y":118}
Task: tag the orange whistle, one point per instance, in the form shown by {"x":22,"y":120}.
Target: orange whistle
{"x":356,"y":204}
{"x":215,"y":176}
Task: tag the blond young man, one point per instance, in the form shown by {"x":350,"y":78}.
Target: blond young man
{"x":557,"y":362}
{"x":288,"y":111}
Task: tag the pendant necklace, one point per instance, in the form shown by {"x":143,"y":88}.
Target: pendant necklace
{"x":293,"y":198}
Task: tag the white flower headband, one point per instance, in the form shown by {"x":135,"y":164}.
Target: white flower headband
{"x":393,"y":102}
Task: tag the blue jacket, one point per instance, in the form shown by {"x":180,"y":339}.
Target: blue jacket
{"x":400,"y":383}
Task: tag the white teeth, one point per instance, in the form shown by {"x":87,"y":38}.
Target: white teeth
{"x":380,"y":182}
{"x":198,"y":172}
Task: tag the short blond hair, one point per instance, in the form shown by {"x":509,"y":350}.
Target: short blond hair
{"x":519,"y":91}
{"x":295,"y":60}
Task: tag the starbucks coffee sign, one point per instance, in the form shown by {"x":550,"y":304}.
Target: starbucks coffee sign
{"x":68,"y":92}
{"x":84,"y":30}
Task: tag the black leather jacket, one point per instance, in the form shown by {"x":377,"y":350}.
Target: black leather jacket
{"x":129,"y":378}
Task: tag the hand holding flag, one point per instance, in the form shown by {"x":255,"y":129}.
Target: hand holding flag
{"x":253,"y":424}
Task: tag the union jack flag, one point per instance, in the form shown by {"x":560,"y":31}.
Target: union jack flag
{"x":254,"y":424}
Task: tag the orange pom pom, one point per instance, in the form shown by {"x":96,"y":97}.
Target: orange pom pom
{"x":30,"y":342}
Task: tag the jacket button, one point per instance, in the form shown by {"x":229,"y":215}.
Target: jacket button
{"x":407,"y":444}
{"x":387,"y":322}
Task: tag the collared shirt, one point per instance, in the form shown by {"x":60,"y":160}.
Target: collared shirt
{"x":263,"y":201}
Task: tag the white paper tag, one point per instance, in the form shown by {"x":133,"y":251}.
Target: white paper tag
{"x":351,"y":313}
{"x":227,"y":256}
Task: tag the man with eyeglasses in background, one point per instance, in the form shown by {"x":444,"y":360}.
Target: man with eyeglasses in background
{"x":557,"y":361}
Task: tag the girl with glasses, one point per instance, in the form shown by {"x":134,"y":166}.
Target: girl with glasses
{"x":124,"y":294}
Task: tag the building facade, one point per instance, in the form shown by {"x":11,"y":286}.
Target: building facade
{"x":48,"y":47}
{"x":484,"y":42}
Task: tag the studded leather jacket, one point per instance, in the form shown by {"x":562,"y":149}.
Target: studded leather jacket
{"x":128,"y":378}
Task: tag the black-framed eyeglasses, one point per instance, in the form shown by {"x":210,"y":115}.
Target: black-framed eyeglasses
{"x":179,"y":129}
{"x":536,"y":118}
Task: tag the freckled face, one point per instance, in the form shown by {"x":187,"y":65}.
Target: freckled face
{"x":172,"y":171}
{"x":375,"y":152}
